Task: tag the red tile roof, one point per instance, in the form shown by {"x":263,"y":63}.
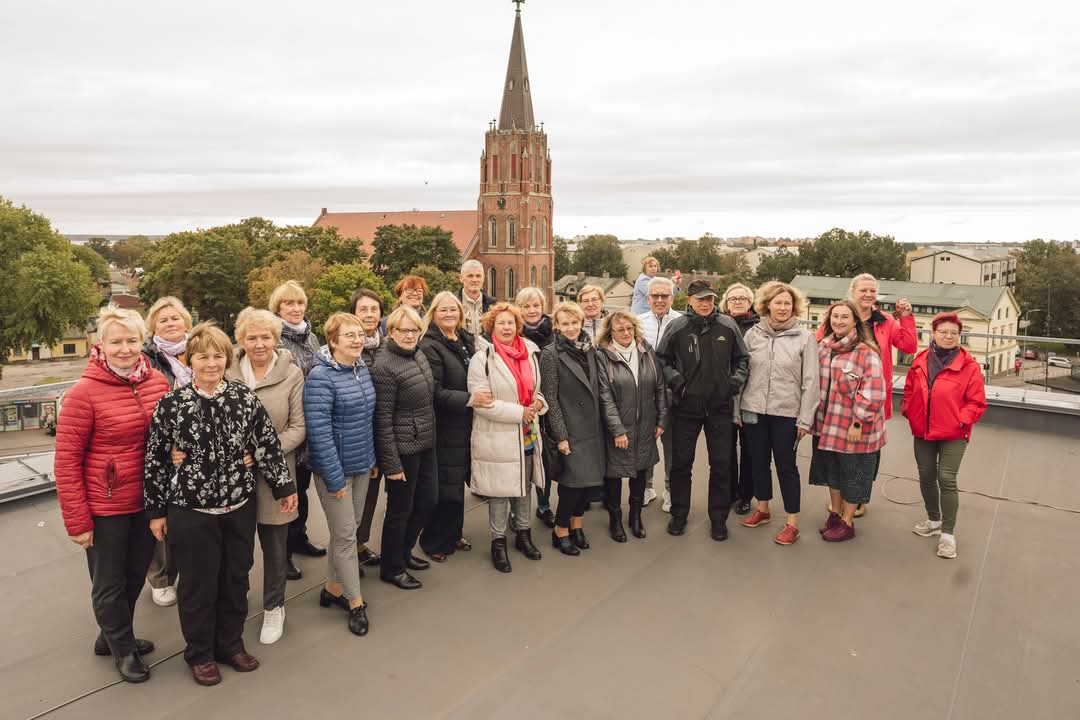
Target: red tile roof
{"x":362,"y":225}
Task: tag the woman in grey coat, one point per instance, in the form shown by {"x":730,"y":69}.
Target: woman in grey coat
{"x":633,"y":398}
{"x":571,"y":384}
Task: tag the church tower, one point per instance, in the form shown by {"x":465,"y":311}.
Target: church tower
{"x":514,"y":209}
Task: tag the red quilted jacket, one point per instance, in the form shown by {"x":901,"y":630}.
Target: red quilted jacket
{"x":100,"y":444}
{"x":955,"y":402}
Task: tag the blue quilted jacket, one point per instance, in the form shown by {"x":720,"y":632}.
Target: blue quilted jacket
{"x":339,"y":409}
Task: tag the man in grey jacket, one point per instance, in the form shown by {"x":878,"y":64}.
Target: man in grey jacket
{"x":654,"y":324}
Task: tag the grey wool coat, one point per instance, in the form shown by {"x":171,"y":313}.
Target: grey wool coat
{"x":633,"y":409}
{"x":281,"y":393}
{"x":574,"y":414}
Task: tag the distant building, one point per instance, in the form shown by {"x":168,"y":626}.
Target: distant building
{"x":988,"y":310}
{"x":74,"y":344}
{"x":618,"y":293}
{"x":754,"y":257}
{"x":993,"y":267}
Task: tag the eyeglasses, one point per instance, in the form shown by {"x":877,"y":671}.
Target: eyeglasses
{"x":659,"y":296}
{"x":351,"y":336}
{"x":412,"y":291}
{"x":407,"y":331}
{"x":736,"y":298}
{"x":947,"y":333}
{"x":623,"y":330}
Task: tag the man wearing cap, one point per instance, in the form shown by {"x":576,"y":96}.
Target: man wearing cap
{"x":705,"y":365}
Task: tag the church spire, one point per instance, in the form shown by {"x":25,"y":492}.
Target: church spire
{"x":517,"y":111}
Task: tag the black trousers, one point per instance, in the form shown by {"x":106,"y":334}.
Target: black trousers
{"x":213,"y":555}
{"x":741,"y":466}
{"x":684,"y":435}
{"x":613,"y":490}
{"x":298,"y":536}
{"x":446,"y":523}
{"x":572,"y":503}
{"x":772,"y":438}
{"x":409,"y":502}
{"x":118,"y":561}
{"x":363,"y":530}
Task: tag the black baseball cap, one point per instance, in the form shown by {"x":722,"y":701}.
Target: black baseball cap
{"x":700,"y":289}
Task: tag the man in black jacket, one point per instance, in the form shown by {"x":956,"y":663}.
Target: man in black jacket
{"x":705,"y":364}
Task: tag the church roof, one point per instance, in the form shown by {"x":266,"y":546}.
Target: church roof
{"x":517,"y":110}
{"x":362,"y":225}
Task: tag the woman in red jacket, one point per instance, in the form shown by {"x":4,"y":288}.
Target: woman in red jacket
{"x":943,"y":397}
{"x":100,"y":441}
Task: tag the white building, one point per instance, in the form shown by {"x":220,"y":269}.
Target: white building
{"x":993,"y":267}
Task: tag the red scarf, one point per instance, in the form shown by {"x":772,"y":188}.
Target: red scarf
{"x":516,"y":357}
{"x":838,"y":345}
{"x":140,"y":372}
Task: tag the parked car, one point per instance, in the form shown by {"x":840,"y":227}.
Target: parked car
{"x":1031,"y":355}
{"x":1058,"y":361}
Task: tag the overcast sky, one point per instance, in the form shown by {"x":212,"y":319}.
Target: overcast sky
{"x":930,"y":121}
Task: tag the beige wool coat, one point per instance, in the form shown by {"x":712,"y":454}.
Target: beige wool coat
{"x":498,"y":454}
{"x":282,"y":394}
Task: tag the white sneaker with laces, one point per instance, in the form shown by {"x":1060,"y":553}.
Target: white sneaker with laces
{"x":946,"y":547}
{"x":650,"y":495}
{"x":273,"y":625}
{"x":927,"y":528}
{"x":666,"y":507}
{"x":164,"y":597}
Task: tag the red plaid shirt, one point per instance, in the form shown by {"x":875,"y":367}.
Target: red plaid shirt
{"x":852,"y":387}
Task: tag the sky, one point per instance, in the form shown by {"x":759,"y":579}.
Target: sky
{"x":928,"y":121}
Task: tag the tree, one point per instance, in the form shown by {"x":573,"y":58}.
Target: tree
{"x":1048,"y":280}
{"x":599,"y":254}
{"x":562,"y":257}
{"x":102,"y":247}
{"x":270,"y":243}
{"x":97,"y":265}
{"x":129,"y":252}
{"x":47,"y":291}
{"x":782,"y":266}
{"x":437,"y":280}
{"x":296,"y":265}
{"x":846,"y":254}
{"x":702,"y":255}
{"x":336,"y":285}
{"x":396,"y":249}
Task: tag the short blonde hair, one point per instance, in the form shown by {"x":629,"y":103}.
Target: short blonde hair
{"x":590,"y":289}
{"x":646,"y":261}
{"x":569,"y":308}
{"x":530,"y":293}
{"x":207,"y":336}
{"x":604,"y":336}
{"x":112,"y":315}
{"x":400,"y":313}
{"x":488,"y":321}
{"x":335,"y":322}
{"x":444,"y":297}
{"x":768,"y":292}
{"x":250,"y":317}
{"x":730,"y":289}
{"x":160,"y":304}
{"x":861,"y":277}
{"x":288,"y":290}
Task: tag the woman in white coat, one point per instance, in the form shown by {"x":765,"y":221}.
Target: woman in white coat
{"x":504,"y":381}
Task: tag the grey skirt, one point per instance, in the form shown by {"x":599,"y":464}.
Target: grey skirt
{"x":852,"y":475}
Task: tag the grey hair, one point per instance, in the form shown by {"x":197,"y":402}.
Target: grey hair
{"x":472,"y":264}
{"x":665,"y":281}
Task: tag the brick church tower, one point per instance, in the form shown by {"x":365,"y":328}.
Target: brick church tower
{"x":514,"y":208}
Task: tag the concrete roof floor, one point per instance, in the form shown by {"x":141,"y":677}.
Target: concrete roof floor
{"x":665,"y":627}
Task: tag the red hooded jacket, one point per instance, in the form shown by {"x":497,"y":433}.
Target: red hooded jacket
{"x":100,"y":444}
{"x":956,"y":401}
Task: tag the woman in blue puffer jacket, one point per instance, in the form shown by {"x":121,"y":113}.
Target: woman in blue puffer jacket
{"x":339,"y":409}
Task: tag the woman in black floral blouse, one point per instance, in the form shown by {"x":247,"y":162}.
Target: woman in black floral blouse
{"x":204,"y":507}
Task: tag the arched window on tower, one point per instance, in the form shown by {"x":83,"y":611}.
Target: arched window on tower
{"x":493,"y":281}
{"x":483,"y":171}
{"x":544,"y":277}
{"x":543,"y":232}
{"x":532,"y":233}
{"x":513,"y":164}
{"x":510,"y":289}
{"x":532,"y":276}
{"x":493,"y":231}
{"x":511,"y":233}
{"x":495,"y":168}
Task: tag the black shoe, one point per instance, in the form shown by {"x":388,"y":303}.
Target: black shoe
{"x":565,"y":545}
{"x":132,"y":668}
{"x":368,"y":557}
{"x":415,"y":563}
{"x":143,"y":647}
{"x":327,"y":599}
{"x":637,"y":529}
{"x":719,"y":534}
{"x":742,"y":507}
{"x":676,"y":526}
{"x":615,"y":527}
{"x":579,"y":538}
{"x":358,"y":622}
{"x":524,"y":543}
{"x":546,"y":516}
{"x":306,"y":548}
{"x":499,"y":558}
{"x":291,"y":571}
{"x":404,"y":580}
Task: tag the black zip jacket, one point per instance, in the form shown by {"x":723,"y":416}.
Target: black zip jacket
{"x":705,"y":363}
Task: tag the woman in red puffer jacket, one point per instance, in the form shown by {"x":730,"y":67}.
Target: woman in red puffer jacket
{"x":944,"y":396}
{"x":100,"y":444}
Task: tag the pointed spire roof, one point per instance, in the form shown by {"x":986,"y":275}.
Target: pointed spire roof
{"x":517,"y":110}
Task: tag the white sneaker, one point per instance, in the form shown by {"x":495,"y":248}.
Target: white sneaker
{"x":927,"y":528}
{"x":946,"y":547}
{"x":273,"y":625}
{"x":650,"y":495}
{"x":164,"y":597}
{"x":666,"y":507}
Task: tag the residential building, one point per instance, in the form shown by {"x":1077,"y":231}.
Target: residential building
{"x":75,"y":343}
{"x":618,"y":292}
{"x":959,"y":265}
{"x":754,"y":257}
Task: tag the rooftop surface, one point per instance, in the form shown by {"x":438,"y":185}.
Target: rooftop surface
{"x":664,"y":627}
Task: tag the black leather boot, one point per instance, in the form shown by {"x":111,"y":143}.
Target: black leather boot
{"x":579,"y":538}
{"x":565,"y":545}
{"x":636,"y":528}
{"x":499,"y":558}
{"x":524,"y":543}
{"x":132,"y":668}
{"x":615,"y":527}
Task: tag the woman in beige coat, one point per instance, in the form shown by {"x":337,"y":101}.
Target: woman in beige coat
{"x":506,"y":444}
{"x":279,"y":385}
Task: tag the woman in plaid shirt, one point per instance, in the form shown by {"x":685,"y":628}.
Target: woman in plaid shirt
{"x":849,"y":426}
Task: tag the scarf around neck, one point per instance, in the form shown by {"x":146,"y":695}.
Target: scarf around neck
{"x":300,"y":328}
{"x":247,"y":370}
{"x":778,"y":327}
{"x":938,"y":359}
{"x":838,"y":346}
{"x":173,"y":351}
{"x":133,"y":375}
{"x":516,"y":357}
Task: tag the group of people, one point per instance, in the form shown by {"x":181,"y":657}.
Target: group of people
{"x":182,"y":444}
